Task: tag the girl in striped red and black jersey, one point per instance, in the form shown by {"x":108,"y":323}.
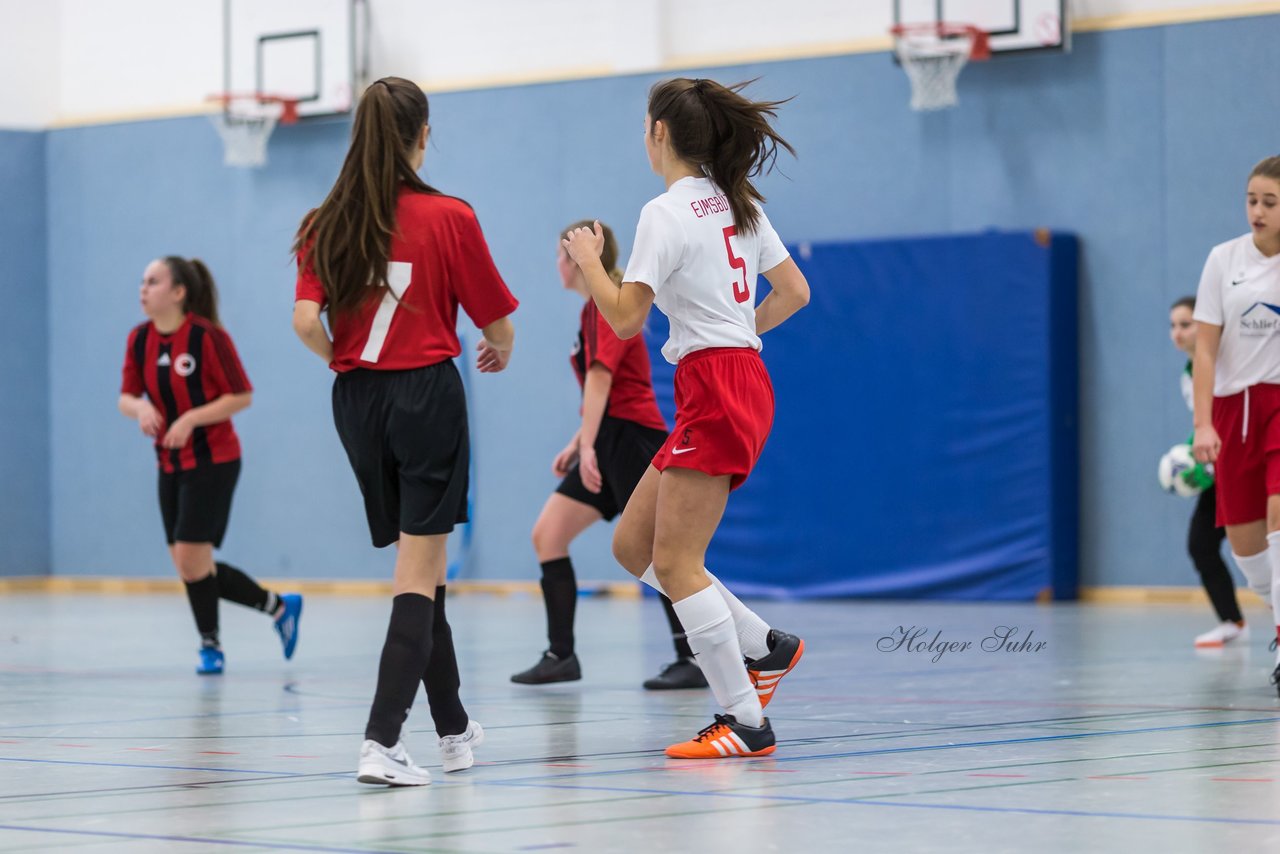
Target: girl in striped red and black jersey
{"x":621,"y":430}
{"x":182,"y":382}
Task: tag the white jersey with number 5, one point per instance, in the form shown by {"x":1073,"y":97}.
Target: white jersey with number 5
{"x":701,"y":268}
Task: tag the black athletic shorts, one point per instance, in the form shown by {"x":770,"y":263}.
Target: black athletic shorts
{"x":405,"y":433}
{"x":624,"y":450}
{"x":196,"y":504}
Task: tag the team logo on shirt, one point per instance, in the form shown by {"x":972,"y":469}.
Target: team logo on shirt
{"x":1261,"y":323}
{"x":185,"y":365}
{"x":163,"y":361}
{"x":1237,"y":280}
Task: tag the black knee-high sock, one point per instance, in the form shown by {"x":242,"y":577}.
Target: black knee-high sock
{"x":203,"y":596}
{"x":560,"y":596}
{"x":404,"y":658}
{"x":678,"y":636}
{"x":441,"y":677}
{"x":236,"y":586}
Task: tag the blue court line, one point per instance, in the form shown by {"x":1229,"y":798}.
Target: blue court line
{"x":277,"y":711}
{"x":869,"y":802}
{"x":201,"y":839}
{"x":883,"y":751}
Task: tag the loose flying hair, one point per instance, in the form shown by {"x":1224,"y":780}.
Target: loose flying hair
{"x":347,"y":240}
{"x":1267,"y":168}
{"x":609,"y":254}
{"x":202,"y":291}
{"x":726,"y":134}
{"x":1184,"y":302}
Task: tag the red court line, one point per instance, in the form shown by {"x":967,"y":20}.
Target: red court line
{"x":1242,"y":779}
{"x":8,"y":741}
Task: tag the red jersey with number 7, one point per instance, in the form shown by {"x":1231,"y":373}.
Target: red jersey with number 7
{"x":438,"y":261}
{"x":191,"y":366}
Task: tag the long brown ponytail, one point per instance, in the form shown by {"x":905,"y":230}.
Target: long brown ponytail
{"x":728,"y":135}
{"x":202,"y":291}
{"x":347,"y":240}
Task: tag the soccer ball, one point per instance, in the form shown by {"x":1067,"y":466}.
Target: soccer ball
{"x":1172,"y":466}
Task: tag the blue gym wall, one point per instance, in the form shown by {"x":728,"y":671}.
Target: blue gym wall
{"x":1139,"y":141}
{"x":24,"y":353}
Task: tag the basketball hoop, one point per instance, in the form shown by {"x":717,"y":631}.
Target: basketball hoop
{"x":932,"y":55}
{"x":246,"y":122}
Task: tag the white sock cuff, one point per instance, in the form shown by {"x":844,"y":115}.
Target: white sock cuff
{"x":702,"y":612}
{"x":651,"y":578}
{"x":1256,"y":568}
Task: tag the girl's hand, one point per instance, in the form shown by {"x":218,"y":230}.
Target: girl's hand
{"x":584,"y":245}
{"x":589,"y":469}
{"x":150,"y":421}
{"x":179,"y":433}
{"x":565,"y":460}
{"x":1206,"y":445}
{"x":490,"y":359}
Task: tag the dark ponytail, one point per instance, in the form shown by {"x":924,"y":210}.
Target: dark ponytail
{"x":727,"y":135}
{"x":347,"y":240}
{"x":202,"y":291}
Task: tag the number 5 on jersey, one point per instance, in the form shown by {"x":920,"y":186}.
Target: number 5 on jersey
{"x":741,"y":292}
{"x":399,"y":274}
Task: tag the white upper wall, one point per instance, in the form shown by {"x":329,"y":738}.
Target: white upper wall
{"x":72,"y":61}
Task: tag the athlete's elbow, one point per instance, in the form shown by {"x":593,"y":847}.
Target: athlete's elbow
{"x":628,"y":328}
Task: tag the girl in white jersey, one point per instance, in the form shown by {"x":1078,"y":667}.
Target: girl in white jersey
{"x":698,"y":250}
{"x":1237,"y":385}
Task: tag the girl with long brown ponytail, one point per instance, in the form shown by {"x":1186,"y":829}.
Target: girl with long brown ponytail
{"x":182,"y":383}
{"x":698,"y":250}
{"x":391,"y":259}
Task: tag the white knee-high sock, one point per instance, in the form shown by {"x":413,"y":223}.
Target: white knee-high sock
{"x":753,"y":632}
{"x":709,"y":627}
{"x":1257,"y":571}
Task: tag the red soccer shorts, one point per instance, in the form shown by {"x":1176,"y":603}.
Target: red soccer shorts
{"x":1248,"y":466}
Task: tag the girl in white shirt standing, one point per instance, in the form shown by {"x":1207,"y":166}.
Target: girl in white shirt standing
{"x":1236,"y":380}
{"x":698,"y":250}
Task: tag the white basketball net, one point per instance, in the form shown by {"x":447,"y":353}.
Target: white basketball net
{"x":933,"y":62}
{"x":245,"y":127}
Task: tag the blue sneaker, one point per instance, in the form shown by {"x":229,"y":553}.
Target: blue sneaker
{"x":211,"y":661}
{"x":287,"y":622}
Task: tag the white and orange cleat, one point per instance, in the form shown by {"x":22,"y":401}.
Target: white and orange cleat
{"x":726,"y":737}
{"x":784,"y":654}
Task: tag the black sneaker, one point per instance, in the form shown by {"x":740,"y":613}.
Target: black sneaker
{"x":550,"y":668}
{"x":681,"y":673}
{"x":726,"y":737}
{"x":1275,"y":678}
{"x":784,"y":654}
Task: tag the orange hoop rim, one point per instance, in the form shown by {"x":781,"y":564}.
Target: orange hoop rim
{"x":980,"y":51}
{"x":289,"y":106}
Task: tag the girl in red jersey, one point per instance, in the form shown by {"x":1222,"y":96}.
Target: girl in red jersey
{"x":1236,"y":381}
{"x":391,"y":259}
{"x":621,"y":431}
{"x":184,"y":363}
{"x":698,"y":250}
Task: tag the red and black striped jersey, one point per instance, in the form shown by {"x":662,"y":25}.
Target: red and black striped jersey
{"x":194,"y":365}
{"x":631,"y":394}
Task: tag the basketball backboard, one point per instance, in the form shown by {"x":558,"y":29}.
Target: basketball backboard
{"x":1015,"y":26}
{"x":314,"y":51}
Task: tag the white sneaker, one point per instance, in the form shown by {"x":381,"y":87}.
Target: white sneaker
{"x":390,"y":766}
{"x":1223,"y":634}
{"x":455,"y":750}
